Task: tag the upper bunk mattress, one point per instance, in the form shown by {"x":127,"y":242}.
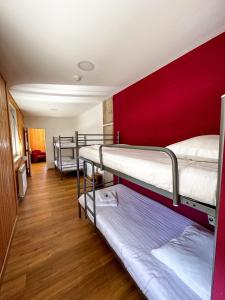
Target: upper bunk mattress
{"x":197,"y":180}
{"x":135,"y":227}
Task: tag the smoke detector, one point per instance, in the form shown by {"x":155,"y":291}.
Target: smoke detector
{"x":86,"y":65}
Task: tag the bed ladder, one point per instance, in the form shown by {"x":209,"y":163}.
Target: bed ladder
{"x":87,"y":194}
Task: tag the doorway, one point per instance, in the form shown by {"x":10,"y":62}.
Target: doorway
{"x":37,"y":143}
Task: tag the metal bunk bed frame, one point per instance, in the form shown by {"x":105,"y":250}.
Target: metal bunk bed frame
{"x":213,"y":218}
{"x":178,"y":199}
{"x":58,"y":151}
{"x":79,"y":140}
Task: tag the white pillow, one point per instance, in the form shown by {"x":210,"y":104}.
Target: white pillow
{"x":190,"y":256}
{"x":199,"y":148}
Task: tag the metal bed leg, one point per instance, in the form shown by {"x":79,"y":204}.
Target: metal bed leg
{"x":60,"y":157}
{"x":85,"y":189}
{"x":93,"y":188}
{"x":78,"y":171}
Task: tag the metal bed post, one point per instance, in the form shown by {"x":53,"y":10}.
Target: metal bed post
{"x":214,"y":220}
{"x":221,"y":148}
{"x":73,"y":149}
{"x":60,"y":157}
{"x":118,"y":141}
{"x":58,"y":160}
{"x":78,"y":171}
{"x":85,"y":187}
{"x":54,"y":147}
{"x":221,"y":158}
{"x":93,"y":189}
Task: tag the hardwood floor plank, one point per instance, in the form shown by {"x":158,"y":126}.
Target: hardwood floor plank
{"x":54,"y":254}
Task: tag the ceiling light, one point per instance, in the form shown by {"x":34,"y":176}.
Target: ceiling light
{"x":77,"y":77}
{"x":86,"y":65}
{"x":54,"y":109}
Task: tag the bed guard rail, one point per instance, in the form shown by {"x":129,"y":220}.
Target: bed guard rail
{"x":172,"y":156}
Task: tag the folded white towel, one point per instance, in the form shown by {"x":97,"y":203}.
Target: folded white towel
{"x":106,"y":198}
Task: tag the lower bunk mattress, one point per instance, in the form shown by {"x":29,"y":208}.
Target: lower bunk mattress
{"x":135,"y":227}
{"x":197,"y":179}
{"x":68,"y":164}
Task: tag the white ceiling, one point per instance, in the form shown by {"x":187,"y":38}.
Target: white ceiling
{"x":58,"y":100}
{"x":42,"y":41}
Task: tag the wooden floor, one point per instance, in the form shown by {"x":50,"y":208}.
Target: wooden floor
{"x":54,"y":254}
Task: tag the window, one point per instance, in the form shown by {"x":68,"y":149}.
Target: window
{"x":14,"y":130}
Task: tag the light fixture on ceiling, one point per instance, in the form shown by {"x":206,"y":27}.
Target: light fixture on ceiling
{"x":53,"y":109}
{"x":77,"y":77}
{"x":86,"y":65}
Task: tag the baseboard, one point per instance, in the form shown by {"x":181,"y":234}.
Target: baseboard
{"x":7,"y":252}
{"x":50,"y":164}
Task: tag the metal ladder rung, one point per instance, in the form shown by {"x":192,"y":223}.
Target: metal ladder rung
{"x":90,"y":196}
{"x":90,"y":211}
{"x":89,"y":180}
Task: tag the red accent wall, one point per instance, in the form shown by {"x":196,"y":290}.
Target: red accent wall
{"x":176,"y":102}
{"x":219,"y":269}
{"x":179,"y":101}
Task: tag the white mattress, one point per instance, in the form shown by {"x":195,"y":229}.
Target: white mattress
{"x":133,"y":228}
{"x":66,"y":145}
{"x":197,"y":180}
{"x":68,"y":164}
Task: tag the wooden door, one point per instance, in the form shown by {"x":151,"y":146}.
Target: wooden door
{"x":27,"y":151}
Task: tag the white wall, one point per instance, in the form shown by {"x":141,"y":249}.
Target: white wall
{"x":53,"y":127}
{"x":90,"y":121}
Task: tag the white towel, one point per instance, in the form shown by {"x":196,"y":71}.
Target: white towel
{"x":106,"y":198}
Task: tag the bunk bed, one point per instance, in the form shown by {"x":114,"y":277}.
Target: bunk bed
{"x":64,"y":149}
{"x":137,"y":226}
{"x":188,"y":182}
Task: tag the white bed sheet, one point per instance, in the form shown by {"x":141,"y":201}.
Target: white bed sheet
{"x":69,"y":164}
{"x":197,"y":180}
{"x":135,"y":227}
{"x":65,"y":145}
